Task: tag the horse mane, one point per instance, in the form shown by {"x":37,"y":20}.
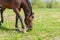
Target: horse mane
{"x":29,"y":4}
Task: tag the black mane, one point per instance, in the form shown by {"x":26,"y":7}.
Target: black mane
{"x":29,"y":4}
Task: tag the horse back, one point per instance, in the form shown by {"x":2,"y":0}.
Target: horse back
{"x":10,"y":3}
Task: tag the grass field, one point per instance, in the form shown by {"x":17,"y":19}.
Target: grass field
{"x":46,"y":25}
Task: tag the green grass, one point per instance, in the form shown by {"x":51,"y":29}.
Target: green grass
{"x":46,"y":25}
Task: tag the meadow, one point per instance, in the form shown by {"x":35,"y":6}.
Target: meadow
{"x":46,"y":25}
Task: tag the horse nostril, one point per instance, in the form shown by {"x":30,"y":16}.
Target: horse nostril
{"x":32,"y":16}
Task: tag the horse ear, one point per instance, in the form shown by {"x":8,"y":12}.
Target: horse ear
{"x":33,"y":15}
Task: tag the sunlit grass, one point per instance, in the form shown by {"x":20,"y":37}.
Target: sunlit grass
{"x":46,"y":25}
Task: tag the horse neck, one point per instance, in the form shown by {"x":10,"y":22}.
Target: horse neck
{"x":26,"y":14}
{"x":29,"y":4}
{"x":30,"y":8}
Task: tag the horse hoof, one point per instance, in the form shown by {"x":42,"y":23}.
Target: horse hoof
{"x":24,"y":30}
{"x":29,"y":30}
{"x":0,"y":23}
{"x":18,"y":30}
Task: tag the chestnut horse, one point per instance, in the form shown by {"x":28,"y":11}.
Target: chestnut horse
{"x":16,"y":5}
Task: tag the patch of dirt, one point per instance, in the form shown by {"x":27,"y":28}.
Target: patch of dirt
{"x":55,"y":38}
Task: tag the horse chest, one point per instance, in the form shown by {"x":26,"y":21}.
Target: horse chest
{"x":9,"y":5}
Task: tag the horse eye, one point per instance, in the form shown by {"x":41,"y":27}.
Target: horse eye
{"x":32,"y":16}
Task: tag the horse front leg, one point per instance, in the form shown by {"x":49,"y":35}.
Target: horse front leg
{"x":20,"y":17}
{"x":16,"y":24}
{"x":1,"y":12}
{"x":2,"y":19}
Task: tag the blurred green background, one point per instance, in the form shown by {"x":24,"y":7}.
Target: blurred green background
{"x":45,"y":3}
